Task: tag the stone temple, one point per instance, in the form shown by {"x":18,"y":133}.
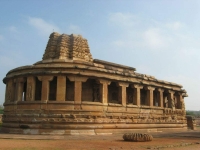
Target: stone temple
{"x":69,"y":92}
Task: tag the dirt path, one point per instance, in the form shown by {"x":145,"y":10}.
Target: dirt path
{"x":179,"y":141}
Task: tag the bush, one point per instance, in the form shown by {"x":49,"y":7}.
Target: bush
{"x":1,"y":109}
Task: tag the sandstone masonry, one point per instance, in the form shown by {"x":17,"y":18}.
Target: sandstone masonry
{"x":69,"y":92}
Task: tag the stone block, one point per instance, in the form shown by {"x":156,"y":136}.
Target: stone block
{"x":137,"y":137}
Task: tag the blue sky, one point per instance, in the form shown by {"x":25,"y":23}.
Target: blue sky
{"x":158,"y":38}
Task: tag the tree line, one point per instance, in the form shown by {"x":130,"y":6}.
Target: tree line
{"x":193,"y":113}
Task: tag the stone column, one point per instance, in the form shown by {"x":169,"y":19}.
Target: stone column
{"x":171,"y":99}
{"x":150,"y":95}
{"x":19,"y":88}
{"x":122,"y":92}
{"x":30,"y":89}
{"x":182,"y":105}
{"x":160,"y":97}
{"x":9,"y":91}
{"x":45,"y":86}
{"x":179,"y":100}
{"x":61,"y":88}
{"x":104,"y":90}
{"x":77,"y":89}
{"x":137,"y":93}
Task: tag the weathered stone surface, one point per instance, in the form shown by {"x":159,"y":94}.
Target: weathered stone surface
{"x":67,"y":47}
{"x":69,"y":91}
{"x":137,"y":137}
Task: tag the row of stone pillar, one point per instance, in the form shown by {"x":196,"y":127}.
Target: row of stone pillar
{"x":61,"y":90}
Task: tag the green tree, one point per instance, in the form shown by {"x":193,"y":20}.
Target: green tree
{"x":191,"y":113}
{"x":1,"y":109}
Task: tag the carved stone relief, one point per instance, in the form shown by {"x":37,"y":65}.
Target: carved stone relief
{"x":96,"y":93}
{"x":67,"y":47}
{"x":8,"y":94}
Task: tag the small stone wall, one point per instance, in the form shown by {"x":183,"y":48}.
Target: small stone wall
{"x":191,"y":122}
{"x":197,"y":121}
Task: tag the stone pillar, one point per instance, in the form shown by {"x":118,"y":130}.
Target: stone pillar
{"x":137,"y":93}
{"x":179,"y":100}
{"x":171,"y":99}
{"x":183,"y":104}
{"x":45,"y":86}
{"x":19,"y":88}
{"x":77,"y":89}
{"x":61,"y":88}
{"x":122,"y":92}
{"x":9,"y":91}
{"x":182,"y":101}
{"x":104,"y":90}
{"x":150,"y":95}
{"x":30,"y":89}
{"x":160,"y":97}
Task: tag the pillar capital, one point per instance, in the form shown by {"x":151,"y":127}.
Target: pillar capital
{"x":45,"y":86}
{"x":184,"y":95}
{"x":150,"y":88}
{"x":104,"y":90}
{"x":123,"y":84}
{"x":137,"y":86}
{"x":77,"y":78}
{"x":171,"y":92}
{"x":179,"y":93}
{"x":104,"y":81}
{"x":122,"y":92}
{"x":161,"y":90}
{"x":48,"y":78}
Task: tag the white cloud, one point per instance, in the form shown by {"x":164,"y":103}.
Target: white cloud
{"x":42,"y":26}
{"x":123,"y":19}
{"x":74,"y":29}
{"x":134,"y":32}
{"x":167,"y":50}
{"x":174,"y":25}
{"x":154,"y":38}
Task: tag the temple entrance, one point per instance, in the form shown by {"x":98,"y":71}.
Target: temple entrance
{"x":129,"y":95}
{"x":156,"y":98}
{"x":113,"y":93}
{"x":52,"y":89}
{"x":69,"y":90}
{"x":91,"y":91}
{"x":143,"y":97}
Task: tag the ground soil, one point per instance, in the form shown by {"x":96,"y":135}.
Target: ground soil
{"x":189,"y":140}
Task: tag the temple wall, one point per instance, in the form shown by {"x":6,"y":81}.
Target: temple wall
{"x":88,"y":102}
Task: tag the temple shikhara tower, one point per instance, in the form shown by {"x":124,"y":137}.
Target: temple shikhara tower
{"x":69,"y":92}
